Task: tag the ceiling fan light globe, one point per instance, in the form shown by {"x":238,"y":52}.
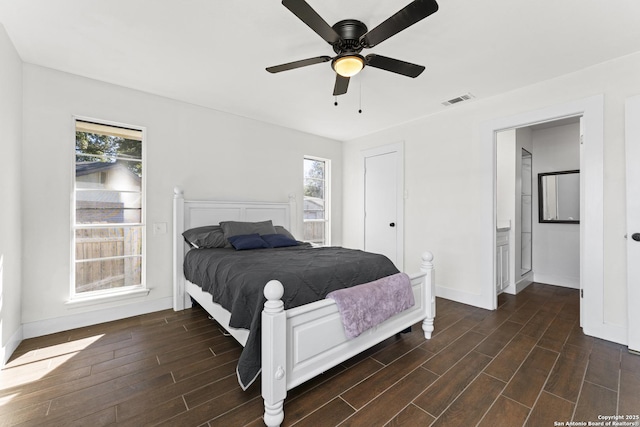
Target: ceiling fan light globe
{"x":348,"y":66}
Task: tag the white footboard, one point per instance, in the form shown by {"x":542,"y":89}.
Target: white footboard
{"x":301,"y":343}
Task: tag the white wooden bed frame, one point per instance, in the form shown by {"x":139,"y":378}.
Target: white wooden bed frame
{"x":300,"y":343}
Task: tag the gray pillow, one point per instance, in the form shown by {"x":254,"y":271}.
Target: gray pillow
{"x":238,"y":228}
{"x":210,"y":236}
{"x":281,"y":230}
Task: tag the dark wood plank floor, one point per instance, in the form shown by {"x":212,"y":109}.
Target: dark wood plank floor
{"x":527,"y":363}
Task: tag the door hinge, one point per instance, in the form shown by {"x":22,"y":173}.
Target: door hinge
{"x":581,"y":293}
{"x":581,"y":139}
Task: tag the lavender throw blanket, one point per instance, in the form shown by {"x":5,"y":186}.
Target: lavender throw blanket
{"x":364,"y":306}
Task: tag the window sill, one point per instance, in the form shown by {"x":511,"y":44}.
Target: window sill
{"x":82,"y":301}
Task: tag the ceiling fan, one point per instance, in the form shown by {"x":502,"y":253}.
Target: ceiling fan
{"x":350,"y":36}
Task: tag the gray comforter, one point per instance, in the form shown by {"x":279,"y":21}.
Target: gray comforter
{"x":236,"y":280}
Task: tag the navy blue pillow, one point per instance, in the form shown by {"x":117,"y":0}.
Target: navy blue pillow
{"x":247,"y":241}
{"x":278,"y":240}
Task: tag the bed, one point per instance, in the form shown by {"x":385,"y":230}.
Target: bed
{"x":298,"y":343}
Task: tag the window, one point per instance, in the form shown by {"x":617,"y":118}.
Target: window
{"x":316,"y":201}
{"x":108,"y":220}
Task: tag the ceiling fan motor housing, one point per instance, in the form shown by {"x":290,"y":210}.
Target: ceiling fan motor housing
{"x":350,"y":30}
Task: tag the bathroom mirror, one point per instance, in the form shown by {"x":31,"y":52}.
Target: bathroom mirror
{"x":559,"y":197}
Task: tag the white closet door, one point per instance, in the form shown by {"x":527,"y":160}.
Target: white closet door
{"x":383,"y":203}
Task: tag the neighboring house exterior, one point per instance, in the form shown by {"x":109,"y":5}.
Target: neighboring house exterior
{"x":313,"y":208}
{"x":107,"y":205}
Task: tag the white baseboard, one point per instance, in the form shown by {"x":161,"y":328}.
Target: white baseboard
{"x":564,"y":281}
{"x":476,"y":300}
{"x":521,"y":284}
{"x":73,"y":321}
{"x":7,"y":350}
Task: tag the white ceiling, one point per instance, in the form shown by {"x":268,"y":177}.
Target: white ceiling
{"x":213,"y":53}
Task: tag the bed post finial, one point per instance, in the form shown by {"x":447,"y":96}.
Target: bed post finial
{"x":427,"y":260}
{"x":273,"y":291}
{"x":274,"y":342}
{"x":427,"y":267}
{"x":177,"y":192}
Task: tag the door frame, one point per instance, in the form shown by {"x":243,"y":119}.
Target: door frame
{"x":592,"y":222}
{"x":398,"y":148}
{"x":632,"y":133}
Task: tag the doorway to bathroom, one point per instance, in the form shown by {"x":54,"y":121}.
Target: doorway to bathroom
{"x":532,"y":176}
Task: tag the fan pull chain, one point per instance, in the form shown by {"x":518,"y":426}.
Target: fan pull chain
{"x":335,"y":100}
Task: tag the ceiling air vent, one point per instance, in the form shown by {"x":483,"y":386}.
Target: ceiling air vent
{"x":457,"y":99}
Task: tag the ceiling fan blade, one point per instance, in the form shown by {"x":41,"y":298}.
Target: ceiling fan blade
{"x":298,"y":64}
{"x":394,"y":65}
{"x":302,"y":10}
{"x":341,"y":86}
{"x":415,"y":11}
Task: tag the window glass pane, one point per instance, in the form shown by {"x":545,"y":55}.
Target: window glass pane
{"x":314,"y":232}
{"x":116,"y":175}
{"x":315,"y":203}
{"x":313,"y":168}
{"x":108,"y":190}
{"x":107,"y":146}
{"x":313,"y":208}
{"x":92,"y":243}
{"x":108,"y":274}
{"x":100,"y":207}
{"x":314,"y":188}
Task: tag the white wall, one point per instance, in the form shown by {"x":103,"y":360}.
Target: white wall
{"x":10,"y":222}
{"x":449,"y":177}
{"x":556,"y":247}
{"x":506,"y":192}
{"x":505,"y":176}
{"x":209,"y":154}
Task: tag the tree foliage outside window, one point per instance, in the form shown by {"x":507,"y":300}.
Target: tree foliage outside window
{"x":314,"y":178}
{"x":93,"y":147}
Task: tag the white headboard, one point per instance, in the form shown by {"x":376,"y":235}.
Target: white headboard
{"x":200,"y":213}
{"x":197,"y":213}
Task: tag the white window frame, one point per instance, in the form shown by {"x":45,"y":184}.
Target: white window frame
{"x":327,"y":198}
{"x":122,"y":292}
